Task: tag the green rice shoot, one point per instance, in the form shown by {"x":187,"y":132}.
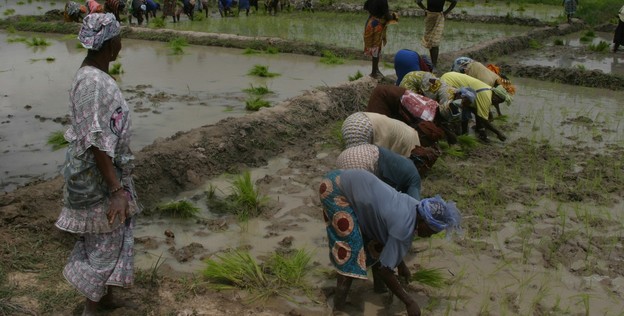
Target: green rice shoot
{"x":262,"y":71}
{"x":329,"y":58}
{"x":278,"y":276}
{"x":179,"y":209}
{"x":601,"y":47}
{"x":259,"y":90}
{"x":37,"y":42}
{"x":57,"y":140}
{"x":116,"y":69}
{"x":158,"y":23}
{"x":468,"y":141}
{"x":248,"y":201}
{"x":356,"y":76}
{"x":177,"y":45}
{"x":256,"y":103}
{"x":429,"y":277}
{"x":272,"y":50}
{"x":251,"y":51}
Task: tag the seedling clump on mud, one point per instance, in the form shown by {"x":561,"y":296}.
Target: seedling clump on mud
{"x":429,"y":277}
{"x":158,"y":23}
{"x":182,"y":209}
{"x":245,"y":201}
{"x":278,"y":276}
{"x":356,"y":76}
{"x":329,"y":58}
{"x":256,"y":103}
{"x":260,"y":90}
{"x":177,"y":45}
{"x":116,"y":69}
{"x":262,"y":71}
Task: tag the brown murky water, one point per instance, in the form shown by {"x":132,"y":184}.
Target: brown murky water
{"x":169,"y":93}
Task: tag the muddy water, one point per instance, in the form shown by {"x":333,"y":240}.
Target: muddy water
{"x":557,"y":113}
{"x":510,"y":8}
{"x":168,"y":93}
{"x":573,"y":53}
{"x":29,"y":7}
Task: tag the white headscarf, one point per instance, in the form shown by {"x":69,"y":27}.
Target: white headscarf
{"x":97,"y":28}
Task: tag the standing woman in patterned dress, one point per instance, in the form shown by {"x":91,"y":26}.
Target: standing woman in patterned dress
{"x":99,"y":197}
{"x":375,"y":31}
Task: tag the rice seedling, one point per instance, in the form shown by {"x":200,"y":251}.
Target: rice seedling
{"x":182,"y":209}
{"x":468,"y":141}
{"x":356,"y":76}
{"x":429,"y":277}
{"x":16,"y":39}
{"x":329,"y":58}
{"x":278,"y":276}
{"x":590,"y":33}
{"x":534,"y":44}
{"x":260,"y":90}
{"x":262,"y":71}
{"x":251,"y":51}
{"x":177,"y":45}
{"x":37,"y":42}
{"x":272,"y":50}
{"x":580,"y":67}
{"x":585,"y":39}
{"x":601,"y":47}
{"x":158,"y":23}
{"x":558,"y":42}
{"x":57,"y":140}
{"x":256,"y":103}
{"x":116,"y":69}
{"x":9,"y":11}
{"x":20,"y":3}
{"x":248,"y":201}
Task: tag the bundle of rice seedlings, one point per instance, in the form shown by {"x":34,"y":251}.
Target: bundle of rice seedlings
{"x":57,"y":140}
{"x":261,"y":90}
{"x":177,"y":45}
{"x":116,"y":69}
{"x":158,"y":23}
{"x":429,"y":277}
{"x":254,"y":104}
{"x":328,"y":57}
{"x":272,"y":50}
{"x":182,"y":208}
{"x":251,"y":51}
{"x":291,"y":269}
{"x":37,"y":42}
{"x":262,"y":71}
{"x":356,"y":76}
{"x":468,"y":141}
{"x":247,"y":200}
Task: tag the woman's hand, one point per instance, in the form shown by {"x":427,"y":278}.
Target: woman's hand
{"x":118,"y":207}
{"x":404,"y":274}
{"x":413,"y":309}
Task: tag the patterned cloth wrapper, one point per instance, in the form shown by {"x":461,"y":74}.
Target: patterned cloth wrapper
{"x":100,"y":260}
{"x":347,"y":251}
{"x":420,"y":82}
{"x":501,"y":92}
{"x":569,"y":6}
{"x":434,"y":26}
{"x":440,"y":215}
{"x":374,"y":36}
{"x":98,"y":28}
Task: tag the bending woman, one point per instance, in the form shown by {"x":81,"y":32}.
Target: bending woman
{"x":368,"y":223}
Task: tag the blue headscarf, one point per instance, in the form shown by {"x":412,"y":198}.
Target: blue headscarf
{"x":440,"y":215}
{"x":469,"y":93}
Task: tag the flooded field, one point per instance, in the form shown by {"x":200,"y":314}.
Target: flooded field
{"x":168,"y":93}
{"x":542,"y":212}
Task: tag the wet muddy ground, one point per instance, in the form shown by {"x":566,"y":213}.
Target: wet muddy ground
{"x":542,"y":212}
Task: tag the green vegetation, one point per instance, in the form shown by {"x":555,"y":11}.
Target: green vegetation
{"x":158,"y":23}
{"x":255,"y":103}
{"x":558,"y":42}
{"x":37,"y":42}
{"x":182,"y":209}
{"x":57,"y":140}
{"x":9,"y":11}
{"x":429,"y":277}
{"x":356,"y":76}
{"x":601,"y":47}
{"x":595,"y":12}
{"x":329,"y":58}
{"x":278,"y":276}
{"x":261,"y":90}
{"x":262,"y":71}
{"x":534,"y":44}
{"x":272,"y":50}
{"x":177,"y":45}
{"x":251,"y":51}
{"x":116,"y":69}
{"x":245,"y":201}
{"x":590,"y":33}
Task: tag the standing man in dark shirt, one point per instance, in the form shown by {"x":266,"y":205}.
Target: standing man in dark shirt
{"x":434,"y":25}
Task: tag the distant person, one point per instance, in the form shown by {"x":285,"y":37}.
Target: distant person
{"x":434,"y":25}
{"x":486,"y":97}
{"x":169,"y":8}
{"x":115,"y":7}
{"x":99,"y":199}
{"x":618,"y":37}
{"x":406,"y":61}
{"x":489,"y":74}
{"x":569,"y":6}
{"x":74,"y":12}
{"x":368,"y":223}
{"x":375,"y":31}
{"x":374,"y":128}
{"x":94,"y":7}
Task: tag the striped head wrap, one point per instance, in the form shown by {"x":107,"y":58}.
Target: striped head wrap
{"x":97,"y":28}
{"x":440,"y":215}
{"x":114,"y":6}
